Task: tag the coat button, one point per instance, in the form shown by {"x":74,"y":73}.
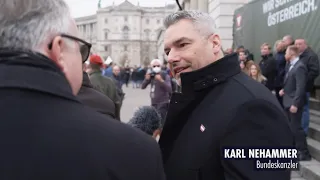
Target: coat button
{"x":215,"y":79}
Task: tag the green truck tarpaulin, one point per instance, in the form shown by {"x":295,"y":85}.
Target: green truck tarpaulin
{"x":266,"y":21}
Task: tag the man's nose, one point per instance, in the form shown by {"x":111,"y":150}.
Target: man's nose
{"x":173,"y":57}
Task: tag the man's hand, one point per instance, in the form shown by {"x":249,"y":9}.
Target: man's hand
{"x":147,"y":77}
{"x":158,"y":78}
{"x":293,"y":109}
{"x":281,"y":92}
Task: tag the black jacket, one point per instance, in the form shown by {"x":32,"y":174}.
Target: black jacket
{"x":46,"y":133}
{"x":311,"y":60}
{"x":268,"y":66}
{"x":95,"y":99}
{"x":221,"y":107}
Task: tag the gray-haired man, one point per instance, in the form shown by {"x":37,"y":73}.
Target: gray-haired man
{"x":45,"y":132}
{"x":218,"y":107}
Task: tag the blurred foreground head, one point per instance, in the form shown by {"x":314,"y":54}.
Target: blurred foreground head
{"x":147,"y":119}
{"x":44,"y":26}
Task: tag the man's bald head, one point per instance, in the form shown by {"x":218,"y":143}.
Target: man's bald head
{"x":116,"y":70}
{"x":301,"y":44}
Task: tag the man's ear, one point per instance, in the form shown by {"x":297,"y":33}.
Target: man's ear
{"x":216,"y":43}
{"x":56,"y":51}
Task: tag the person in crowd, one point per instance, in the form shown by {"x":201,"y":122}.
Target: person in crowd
{"x":243,"y":67}
{"x":103,"y":84}
{"x":242,"y":56}
{"x":293,"y":93}
{"x":108,"y":70}
{"x":134,"y":77}
{"x":245,"y":63}
{"x":141,"y":72}
{"x":46,"y":133}
{"x":287,"y":40}
{"x":126,"y":76}
{"x":116,"y":77}
{"x":160,"y":88}
{"x":240,"y":49}
{"x":228,"y":51}
{"x":95,"y":99}
{"x":311,"y":61}
{"x":218,"y":107}
{"x":279,"y":56}
{"x":255,"y":73}
{"x":268,"y":66}
{"x":165,"y":68}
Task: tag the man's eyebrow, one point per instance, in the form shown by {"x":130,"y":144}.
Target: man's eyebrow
{"x":180,"y":40}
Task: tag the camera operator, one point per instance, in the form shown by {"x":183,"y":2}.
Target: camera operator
{"x":160,"y":87}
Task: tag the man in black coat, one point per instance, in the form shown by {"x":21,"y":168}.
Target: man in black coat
{"x":219,"y":107}
{"x":311,"y":61}
{"x":45,"y":132}
{"x":268,"y":66}
{"x":95,"y":99}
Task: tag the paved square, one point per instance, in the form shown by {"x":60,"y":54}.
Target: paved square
{"x":134,"y":98}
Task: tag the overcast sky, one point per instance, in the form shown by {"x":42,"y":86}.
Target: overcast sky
{"x":81,"y":8}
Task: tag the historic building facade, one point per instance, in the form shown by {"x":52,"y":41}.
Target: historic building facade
{"x":126,"y":32}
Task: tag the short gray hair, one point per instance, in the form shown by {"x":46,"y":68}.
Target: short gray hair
{"x":28,"y":24}
{"x":156,"y":60}
{"x":202,"y":21}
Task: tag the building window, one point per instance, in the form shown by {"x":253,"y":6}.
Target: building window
{"x":147,"y":33}
{"x":106,"y":48}
{"x":125,"y":31}
{"x":147,"y":21}
{"x":125,"y":47}
{"x":126,"y":18}
{"x":105,"y":35}
{"x":158,"y":21}
{"x":106,"y":20}
{"x":84,"y":29}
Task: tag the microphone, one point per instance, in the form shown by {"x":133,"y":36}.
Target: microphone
{"x":147,"y":119}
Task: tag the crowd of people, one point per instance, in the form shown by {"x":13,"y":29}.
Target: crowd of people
{"x":273,"y":71}
{"x":60,"y":104}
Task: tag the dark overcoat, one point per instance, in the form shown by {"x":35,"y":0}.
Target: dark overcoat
{"x":221,"y":107}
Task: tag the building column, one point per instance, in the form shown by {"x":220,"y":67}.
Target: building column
{"x":187,"y":5}
{"x":203,"y":5}
{"x":193,"y":4}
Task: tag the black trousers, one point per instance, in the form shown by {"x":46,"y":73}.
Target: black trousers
{"x":296,"y":128}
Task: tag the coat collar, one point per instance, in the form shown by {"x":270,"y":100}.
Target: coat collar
{"x":95,"y":72}
{"x":25,"y":69}
{"x":211,"y":75}
{"x":86,"y":81}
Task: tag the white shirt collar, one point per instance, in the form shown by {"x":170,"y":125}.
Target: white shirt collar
{"x":294,"y":61}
